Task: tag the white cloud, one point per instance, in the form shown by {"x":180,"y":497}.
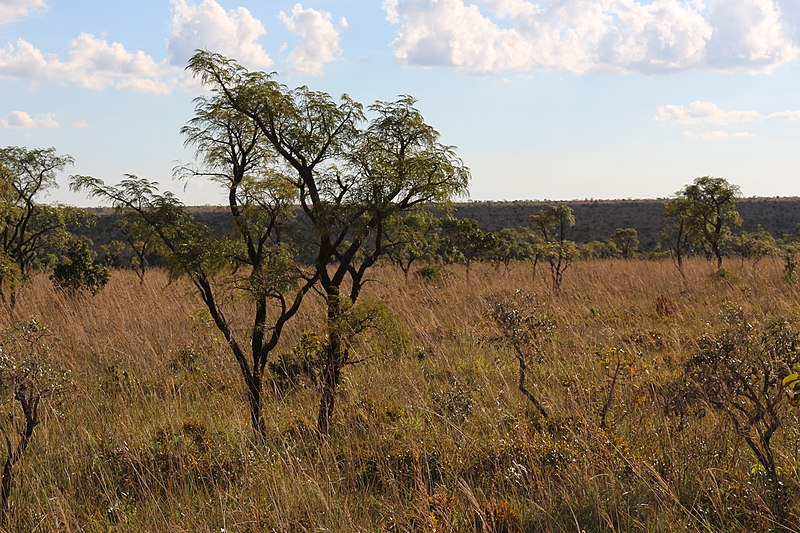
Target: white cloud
{"x":96,"y":64}
{"x":23,"y":120}
{"x":208,"y":26}
{"x":749,"y":32}
{"x":791,"y":115}
{"x":80,"y":125}
{"x":704,"y":112}
{"x":319,"y":39}
{"x":718,"y":135}
{"x":495,"y":36}
{"x":93,"y":63}
{"x":22,"y":60}
{"x":16,"y":9}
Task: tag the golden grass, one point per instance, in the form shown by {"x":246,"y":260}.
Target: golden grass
{"x":430,"y":431}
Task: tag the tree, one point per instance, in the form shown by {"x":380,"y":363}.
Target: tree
{"x":551,"y":224}
{"x":599,"y":250}
{"x":525,"y":329}
{"x":349,"y":179}
{"x":261,"y":200}
{"x":755,"y":246}
{"x":464,"y":242}
{"x":711,"y":205}
{"x":28,"y":228}
{"x":679,"y":231}
{"x":512,"y":244}
{"x":411,"y":237}
{"x":140,"y":239}
{"x":627,"y":241}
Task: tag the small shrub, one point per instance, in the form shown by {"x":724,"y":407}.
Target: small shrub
{"x":28,"y":377}
{"x":433,"y":273}
{"x":723,"y":274}
{"x":79,"y":271}
{"x":523,"y":327}
{"x":454,"y":403}
{"x":302,"y":365}
{"x":739,"y":373}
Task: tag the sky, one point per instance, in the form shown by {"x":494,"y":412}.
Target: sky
{"x":543,"y":99}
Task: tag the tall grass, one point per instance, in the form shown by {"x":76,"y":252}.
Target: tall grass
{"x":431,"y":433}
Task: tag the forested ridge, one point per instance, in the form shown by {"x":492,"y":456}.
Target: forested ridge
{"x":595,"y":220}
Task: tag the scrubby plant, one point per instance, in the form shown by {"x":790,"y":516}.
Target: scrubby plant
{"x":433,"y":273}
{"x":303,"y":363}
{"x":738,"y":373}
{"x":28,"y":380}
{"x":617,"y":363}
{"x":79,"y":271}
{"x":523,"y":327}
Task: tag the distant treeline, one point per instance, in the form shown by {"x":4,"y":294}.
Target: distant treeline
{"x":595,"y":220}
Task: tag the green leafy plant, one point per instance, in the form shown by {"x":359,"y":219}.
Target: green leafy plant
{"x":79,"y":271}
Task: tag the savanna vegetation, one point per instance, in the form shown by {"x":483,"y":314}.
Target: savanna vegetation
{"x":432,"y":431}
{"x":347,"y":355}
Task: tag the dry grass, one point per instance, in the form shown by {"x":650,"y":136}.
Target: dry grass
{"x":431,"y":433}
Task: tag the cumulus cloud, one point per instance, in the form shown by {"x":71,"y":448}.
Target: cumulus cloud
{"x":718,"y":135}
{"x":209,"y":26}
{"x":495,"y":36}
{"x":791,"y":115}
{"x":92,"y":63}
{"x":320,"y":39}
{"x":23,"y":120}
{"x":16,"y":9}
{"x":705,"y":112}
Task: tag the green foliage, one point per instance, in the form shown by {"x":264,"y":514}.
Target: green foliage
{"x":755,"y":246}
{"x":433,"y":273}
{"x":464,"y":242}
{"x":703,"y":214}
{"x":513,"y":244}
{"x":79,"y":271}
{"x":598,"y":250}
{"x":790,"y":250}
{"x":303,"y":364}
{"x":30,"y":231}
{"x":792,"y":383}
{"x":412,"y":237}
{"x":626,"y":240}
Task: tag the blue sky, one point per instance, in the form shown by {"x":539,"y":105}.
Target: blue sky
{"x":544,"y":99}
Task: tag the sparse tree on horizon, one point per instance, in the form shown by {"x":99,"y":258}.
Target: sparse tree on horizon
{"x":551,"y":225}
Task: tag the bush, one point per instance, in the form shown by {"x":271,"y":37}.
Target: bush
{"x":79,"y":271}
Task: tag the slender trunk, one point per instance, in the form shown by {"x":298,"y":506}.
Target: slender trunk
{"x":523,"y":370}
{"x":717,"y":253}
{"x":255,"y":399}
{"x":334,"y":359}
{"x":15,"y":454}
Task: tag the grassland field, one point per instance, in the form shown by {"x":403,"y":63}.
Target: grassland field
{"x":431,"y":432}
